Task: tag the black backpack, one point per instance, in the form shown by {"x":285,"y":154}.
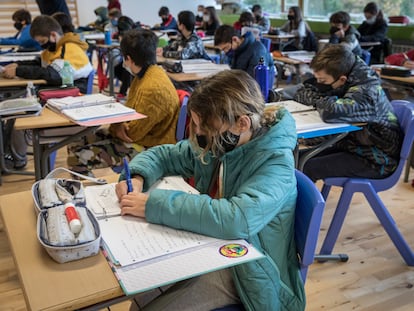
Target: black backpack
{"x":310,"y":43}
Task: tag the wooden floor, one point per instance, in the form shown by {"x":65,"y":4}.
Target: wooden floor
{"x":374,"y":279}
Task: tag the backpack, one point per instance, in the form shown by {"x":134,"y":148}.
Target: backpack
{"x":310,"y":43}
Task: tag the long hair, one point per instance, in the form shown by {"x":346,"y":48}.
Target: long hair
{"x":220,"y":100}
{"x":294,"y":24}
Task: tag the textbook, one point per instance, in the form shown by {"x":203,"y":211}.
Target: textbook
{"x":145,"y":256}
{"x":291,"y":106}
{"x":93,"y":109}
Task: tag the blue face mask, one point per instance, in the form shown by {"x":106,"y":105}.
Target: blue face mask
{"x":114,"y":22}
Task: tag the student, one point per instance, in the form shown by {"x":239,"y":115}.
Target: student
{"x":64,"y":21}
{"x":373,"y":29}
{"x":261,"y":21}
{"x":237,"y":148}
{"x":151,"y":93}
{"x":49,"y":7}
{"x":102,"y":18}
{"x":188,"y":45}
{"x":199,"y":15}
{"x":295,"y":26}
{"x":343,"y":32}
{"x":211,"y":21}
{"x":124,"y":24}
{"x":246,"y":19}
{"x":168,"y":21}
{"x":22,"y":20}
{"x":244,"y":52}
{"x":401,"y":59}
{"x":345,"y":89}
{"x":114,"y":4}
{"x":114,"y":15}
{"x":58,"y":47}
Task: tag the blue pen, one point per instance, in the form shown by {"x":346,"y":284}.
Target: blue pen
{"x":127,"y":175}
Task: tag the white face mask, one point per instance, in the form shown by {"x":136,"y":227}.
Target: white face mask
{"x":200,"y":13}
{"x":371,"y":20}
{"x":206,"y":18}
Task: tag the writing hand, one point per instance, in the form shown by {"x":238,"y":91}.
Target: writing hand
{"x":121,"y":188}
{"x":134,"y":204}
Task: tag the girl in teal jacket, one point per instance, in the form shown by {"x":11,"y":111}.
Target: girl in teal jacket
{"x":248,"y":151}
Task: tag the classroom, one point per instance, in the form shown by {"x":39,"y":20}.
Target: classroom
{"x":286,"y":127}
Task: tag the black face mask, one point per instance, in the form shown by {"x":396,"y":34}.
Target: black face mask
{"x":202,"y":141}
{"x":333,"y":30}
{"x":18,"y":26}
{"x":291,"y":17}
{"x":228,"y":141}
{"x":164,"y":20}
{"x":50,"y":46}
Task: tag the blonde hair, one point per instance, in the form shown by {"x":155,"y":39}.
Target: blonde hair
{"x":222,"y":99}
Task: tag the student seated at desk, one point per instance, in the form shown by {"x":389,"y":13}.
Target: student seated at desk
{"x":244,"y":52}
{"x":188,"y":45}
{"x":260,"y":20}
{"x":58,"y":47}
{"x":345,"y":89}
{"x":211,"y":21}
{"x":235,"y":150}
{"x":151,"y":93}
{"x":342,"y":32}
{"x":246,"y":19}
{"x":373,"y":29}
{"x":168,"y":21}
{"x":22,"y":22}
{"x":295,"y":26}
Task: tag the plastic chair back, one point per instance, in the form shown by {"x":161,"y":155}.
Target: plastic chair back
{"x":89,"y":87}
{"x":308,"y":216}
{"x":366,"y":56}
{"x":267,"y":43}
{"x":182,"y":118}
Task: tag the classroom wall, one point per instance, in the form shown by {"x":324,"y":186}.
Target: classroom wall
{"x":144,"y":11}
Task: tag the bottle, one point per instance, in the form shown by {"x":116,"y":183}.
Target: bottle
{"x":261,"y":74}
{"x":108,"y":33}
{"x":67,"y":74}
{"x":31,"y":91}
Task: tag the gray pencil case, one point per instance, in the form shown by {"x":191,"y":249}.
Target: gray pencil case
{"x":53,"y":231}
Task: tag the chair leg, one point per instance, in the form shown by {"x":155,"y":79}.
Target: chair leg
{"x":390,"y":227}
{"x":337,"y":220}
{"x":325,"y":191}
{"x":410,"y":159}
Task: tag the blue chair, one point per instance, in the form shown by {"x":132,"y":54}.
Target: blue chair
{"x":370,"y":188}
{"x":308,"y":217}
{"x":267,"y":43}
{"x":89,"y":87}
{"x":366,"y":56}
{"x":182,"y":119}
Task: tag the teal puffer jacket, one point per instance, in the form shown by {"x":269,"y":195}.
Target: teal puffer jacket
{"x":258,"y":205}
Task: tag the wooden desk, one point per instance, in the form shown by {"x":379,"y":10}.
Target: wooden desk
{"x":283,"y":39}
{"x":401,"y":80}
{"x":48,"y":119}
{"x":18,"y":82}
{"x":193,"y":71}
{"x":48,"y":285}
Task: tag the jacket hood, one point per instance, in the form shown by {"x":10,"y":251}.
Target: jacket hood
{"x":248,"y":39}
{"x":71,"y":37}
{"x":281,"y":134}
{"x":102,"y":12}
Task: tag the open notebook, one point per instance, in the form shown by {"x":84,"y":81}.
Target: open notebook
{"x":145,"y":256}
{"x":93,"y":109}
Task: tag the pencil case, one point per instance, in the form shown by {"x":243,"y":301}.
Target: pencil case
{"x":54,"y":229}
{"x":45,"y":94}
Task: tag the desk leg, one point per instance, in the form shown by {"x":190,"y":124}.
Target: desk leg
{"x":37,"y":154}
{"x":321,"y":147}
{"x":45,"y":152}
